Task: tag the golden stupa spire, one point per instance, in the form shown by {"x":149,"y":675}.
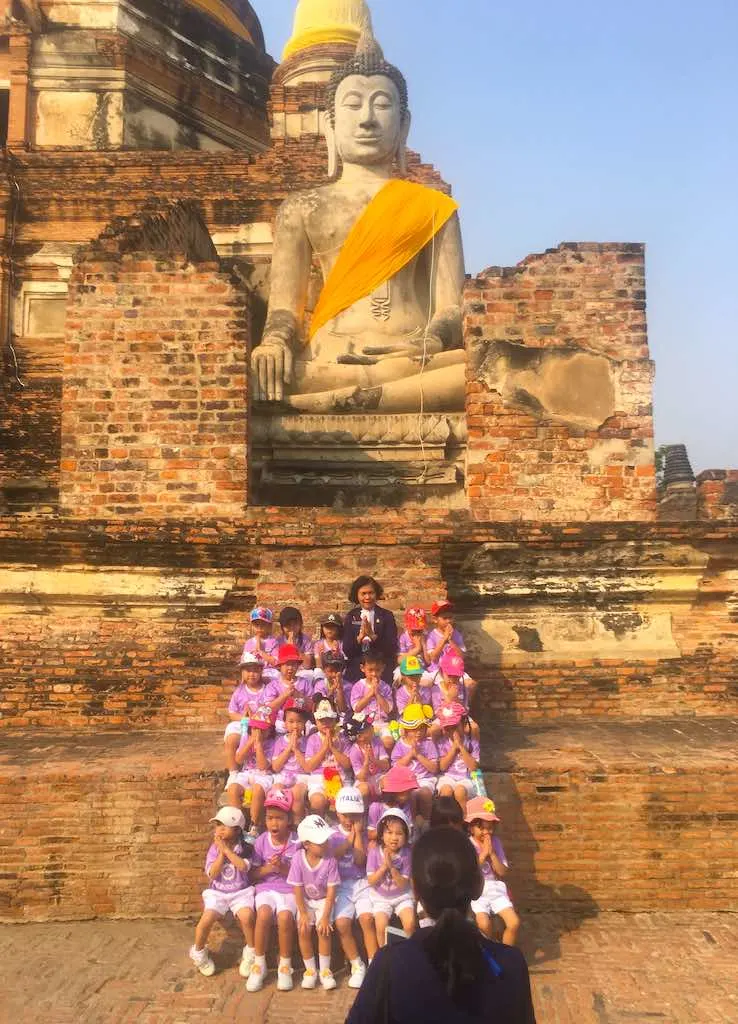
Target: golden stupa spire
{"x":327,"y":21}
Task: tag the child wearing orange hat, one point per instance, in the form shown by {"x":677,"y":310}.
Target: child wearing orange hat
{"x":481,"y":819}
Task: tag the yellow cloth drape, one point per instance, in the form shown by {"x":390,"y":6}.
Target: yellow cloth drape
{"x":219,"y":10}
{"x":399,"y":222}
{"x":317,"y":36}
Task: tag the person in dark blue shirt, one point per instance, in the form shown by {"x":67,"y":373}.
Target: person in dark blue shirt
{"x":367,"y":627}
{"x":448,"y":973}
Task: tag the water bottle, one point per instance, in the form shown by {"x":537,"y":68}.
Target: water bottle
{"x":477,"y":780}
{"x":244,"y":725}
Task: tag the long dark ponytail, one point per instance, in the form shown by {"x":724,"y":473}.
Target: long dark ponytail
{"x":446,"y":878}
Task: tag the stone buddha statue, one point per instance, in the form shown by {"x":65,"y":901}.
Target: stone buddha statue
{"x":385,"y":335}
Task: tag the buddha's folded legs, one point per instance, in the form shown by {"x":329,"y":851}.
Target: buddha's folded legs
{"x":437,"y":389}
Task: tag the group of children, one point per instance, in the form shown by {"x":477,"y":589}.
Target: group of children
{"x":386,"y":755}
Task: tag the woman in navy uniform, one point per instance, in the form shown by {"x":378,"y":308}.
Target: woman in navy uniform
{"x":368,"y":627}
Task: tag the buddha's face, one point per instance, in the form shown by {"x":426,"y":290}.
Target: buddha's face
{"x":369,"y":123}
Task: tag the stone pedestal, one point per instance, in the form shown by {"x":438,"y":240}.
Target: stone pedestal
{"x":358,"y":460}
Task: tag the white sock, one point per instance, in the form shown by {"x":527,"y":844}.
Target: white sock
{"x":325,"y":962}
{"x":358,"y":962}
{"x":249,"y":951}
{"x":286,"y":961}
{"x":260,"y":961}
{"x":309,"y":963}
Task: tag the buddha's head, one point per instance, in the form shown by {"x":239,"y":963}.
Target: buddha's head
{"x":368,"y":119}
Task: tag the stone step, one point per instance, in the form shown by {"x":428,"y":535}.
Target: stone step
{"x":596,"y":816}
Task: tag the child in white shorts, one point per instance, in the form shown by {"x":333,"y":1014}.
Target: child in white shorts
{"x":388,"y":873}
{"x":315,"y":880}
{"x":289,"y":762}
{"x":458,"y":754}
{"x":353,"y":900}
{"x":373,"y":696}
{"x":416,"y":751}
{"x":253,"y":768}
{"x":481,"y":819}
{"x":327,"y":755}
{"x":227,"y":869}
{"x":274,"y":900}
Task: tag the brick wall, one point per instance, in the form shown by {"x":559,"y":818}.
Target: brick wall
{"x":572,"y":319}
{"x":154,"y":409}
{"x":717,"y":494}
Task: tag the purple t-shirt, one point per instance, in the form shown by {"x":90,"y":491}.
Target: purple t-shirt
{"x":247,"y":702}
{"x":457,"y":769}
{"x":401,"y":862}
{"x":315,"y":743}
{"x":376,"y":810}
{"x":230,"y":879}
{"x":361,"y":689}
{"x":426,"y":747}
{"x":303,"y":688}
{"x":269,"y":645}
{"x":291,"y":765}
{"x":321,"y":647}
{"x":314,"y":881}
{"x":249,"y":764}
{"x":356,"y":756}
{"x":321,"y":687}
{"x":487,"y":869}
{"x":434,"y":638}
{"x":348,"y":869}
{"x":264,"y":850}
{"x":430,"y":695}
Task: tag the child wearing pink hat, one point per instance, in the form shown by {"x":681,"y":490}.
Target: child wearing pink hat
{"x":455,"y":687}
{"x":274,"y":898}
{"x":481,"y":819}
{"x":458,"y":753}
{"x":398,"y":788}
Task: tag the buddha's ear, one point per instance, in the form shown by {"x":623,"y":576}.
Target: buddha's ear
{"x":402,"y":147}
{"x":330,"y":139}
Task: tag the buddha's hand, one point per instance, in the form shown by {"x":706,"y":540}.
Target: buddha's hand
{"x":271,"y":365}
{"x":425,"y":345}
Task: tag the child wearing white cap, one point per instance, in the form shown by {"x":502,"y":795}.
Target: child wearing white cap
{"x":327,"y":754}
{"x":349,"y":847}
{"x":315,"y":880}
{"x":227,"y":869}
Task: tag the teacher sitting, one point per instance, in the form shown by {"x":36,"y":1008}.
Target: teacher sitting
{"x":368,"y":628}
{"x":448,"y":973}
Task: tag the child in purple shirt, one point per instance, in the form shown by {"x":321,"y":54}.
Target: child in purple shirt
{"x":331,"y":628}
{"x":371,"y":695}
{"x":416,"y":751}
{"x":261,"y":642}
{"x":254,"y":768}
{"x":368,"y":757}
{"x":413,"y":639}
{"x":290,"y":621}
{"x":349,"y":847}
{"x":253,"y":692}
{"x":388,"y":873}
{"x":315,"y":880}
{"x":327,"y":757}
{"x":330,"y":683}
{"x":481,"y":818}
{"x":458,"y":753}
{"x":227,"y":869}
{"x":445,"y":639}
{"x":289,"y":761}
{"x":290,"y":682}
{"x":414,"y":687}
{"x":274,"y":899}
{"x":398,"y":788}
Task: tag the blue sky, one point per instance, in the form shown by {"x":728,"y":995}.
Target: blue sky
{"x":589,"y":121}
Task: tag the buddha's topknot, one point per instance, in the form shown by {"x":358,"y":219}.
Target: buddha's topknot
{"x":368,"y":61}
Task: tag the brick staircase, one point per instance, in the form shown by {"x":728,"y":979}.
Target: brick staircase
{"x":607,"y":656}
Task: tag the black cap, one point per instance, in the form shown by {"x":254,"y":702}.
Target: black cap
{"x":334,"y":619}
{"x":335,"y":659}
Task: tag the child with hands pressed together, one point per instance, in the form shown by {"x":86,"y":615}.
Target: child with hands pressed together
{"x":397,"y":790}
{"x":326,"y":755}
{"x":315,"y":880}
{"x":416,"y":751}
{"x":388,"y":874}
{"x":289,"y":757}
{"x":227,"y":869}
{"x":458,"y":754}
{"x":414,"y":687}
{"x":330,"y":682}
{"x":413,"y":639}
{"x":254,"y":769}
{"x":349,"y":847}
{"x":331,"y":628}
{"x":290,"y":621}
{"x":446,"y":639}
{"x":368,"y":757}
{"x":373,"y":696}
{"x":481,"y":818}
{"x":252,"y":693}
{"x":274,"y":898}
{"x":291,"y":683}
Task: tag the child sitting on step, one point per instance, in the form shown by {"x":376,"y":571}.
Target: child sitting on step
{"x":327,"y":757}
{"x":458,"y":753}
{"x":388,"y":873}
{"x":291,"y":625}
{"x":261,"y":642}
{"x":417,"y":751}
{"x":330,"y":683}
{"x":331,"y":628}
{"x":227,"y":869}
{"x":315,"y":880}
{"x":414,"y":686}
{"x":481,"y":818}
{"x":291,"y":682}
{"x":289,"y":760}
{"x":398,"y":790}
{"x":252,"y":693}
{"x":254,"y":768}
{"x":274,"y":899}
{"x":368,"y":757}
{"x":413,"y":639}
{"x":371,"y":695}
{"x":445,"y":638}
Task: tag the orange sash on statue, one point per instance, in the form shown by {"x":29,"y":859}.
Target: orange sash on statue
{"x":399,"y":222}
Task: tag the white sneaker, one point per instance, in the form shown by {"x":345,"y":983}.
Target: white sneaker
{"x":358,"y":973}
{"x":247,"y":962}
{"x":327,"y":980}
{"x":256,"y":978}
{"x":284,"y":979}
{"x":310,"y":979}
{"x":201,"y":960}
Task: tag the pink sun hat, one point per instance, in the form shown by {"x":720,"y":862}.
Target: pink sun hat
{"x":450,"y":715}
{"x":399,"y":779}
